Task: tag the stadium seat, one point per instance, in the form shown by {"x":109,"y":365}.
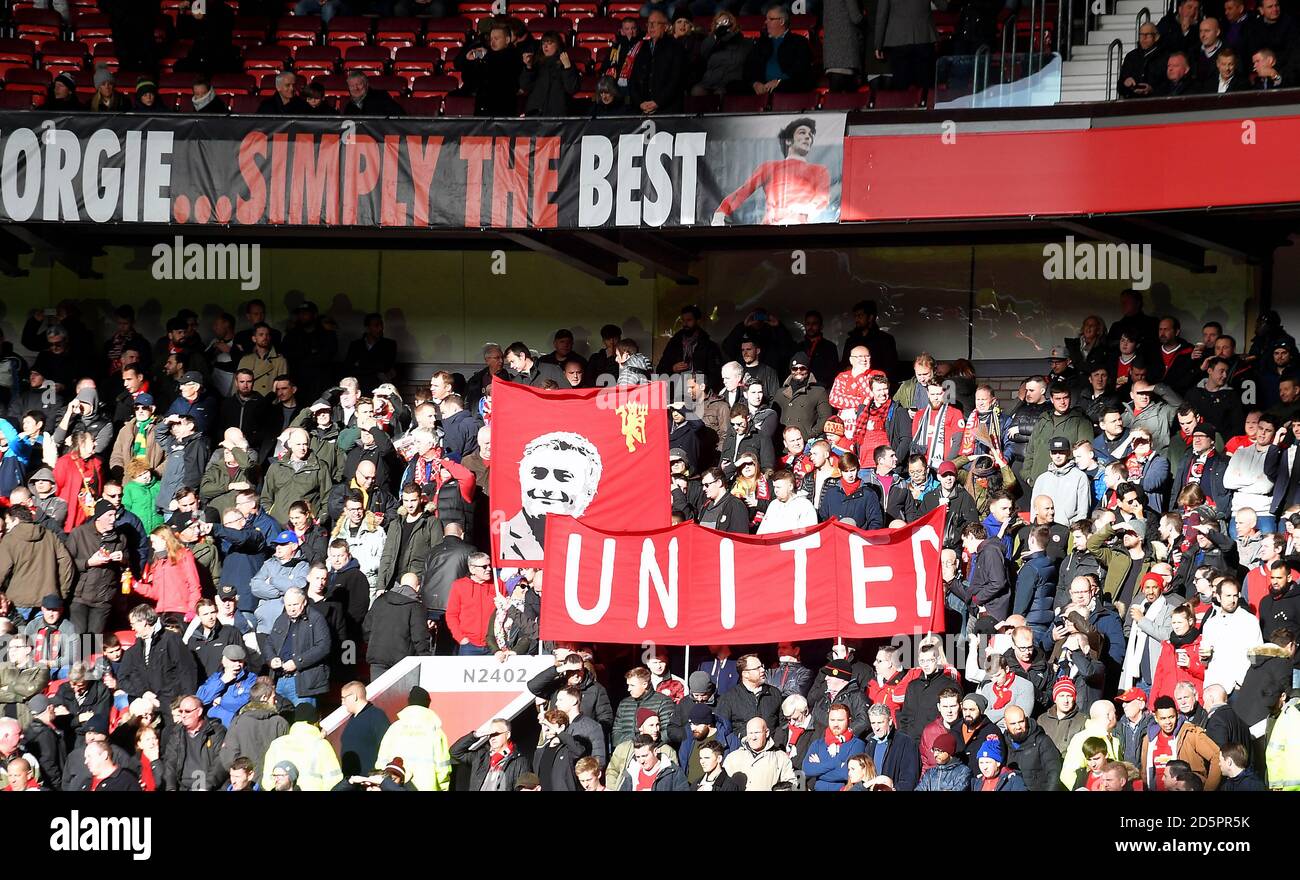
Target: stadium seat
{"x":15,"y":53}
{"x":586,"y":85}
{"x":751,"y":25}
{"x":394,"y":85}
{"x":703,"y":104}
{"x":581,"y":56}
{"x":225,"y":84}
{"x":175,"y":83}
{"x":744,"y":103}
{"x":804,"y":26}
{"x":298,"y":30}
{"x":244,"y":103}
{"x":315,"y":60}
{"x":846,"y":101}
{"x":623,"y":8}
{"x":433,"y":86}
{"x":345,"y":31}
{"x":370,"y":60}
{"x":476,"y":12}
{"x":421,"y":106}
{"x":793,"y":102}
{"x":335,"y":86}
{"x":896,"y":99}
{"x":37,"y":25}
{"x":106,"y":54}
{"x":264,"y":59}
{"x":458,"y":105}
{"x":250,"y":30}
{"x":526,"y":12}
{"x":172,"y":8}
{"x":61,"y":55}
{"x":446,"y":32}
{"x":539,"y":26}
{"x":174,"y":52}
{"x":28,"y":81}
{"x":578,"y":9}
{"x":10,"y":100}
{"x":596,"y":33}
{"x":397,"y":33}
{"x":93,"y":29}
{"x":413,"y":62}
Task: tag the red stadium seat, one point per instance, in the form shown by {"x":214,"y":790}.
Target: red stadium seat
{"x":526,"y":10}
{"x":703,"y":104}
{"x":394,"y":85}
{"x":106,"y":53}
{"x":413,"y":62}
{"x":751,"y":25}
{"x":27,"y":81}
{"x":348,"y":30}
{"x":244,"y":103}
{"x":744,"y":103}
{"x":846,"y":101}
{"x":174,"y":52}
{"x":172,"y":8}
{"x":314,"y":60}
{"x":623,"y":8}
{"x":61,"y":55}
{"x":233,"y":84}
{"x":397,"y":33}
{"x":38,"y":25}
{"x":335,"y":86}
{"x":433,"y":86}
{"x":15,"y":101}
{"x":175,"y":83}
{"x":476,"y":12}
{"x":587,"y":85}
{"x":458,"y":105}
{"x":260,"y":59}
{"x":250,"y":30}
{"x":596,"y":33}
{"x":370,"y":60}
{"x":804,"y":25}
{"x":446,"y":32}
{"x":298,"y":30}
{"x":93,"y":29}
{"x":793,"y":102}
{"x":896,"y":99}
{"x":14,"y":53}
{"x":421,"y":106}
{"x":539,"y":26}
{"x":578,"y":9}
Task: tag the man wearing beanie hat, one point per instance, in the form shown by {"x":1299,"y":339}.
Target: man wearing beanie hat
{"x":703,"y":726}
{"x":993,"y":776}
{"x":949,"y":772}
{"x":700,"y":691}
{"x":307,"y":749}
{"x":418,"y":739}
{"x":101,"y":552}
{"x":1063,"y":719}
{"x":621,"y":762}
{"x":974,"y":729}
{"x":285,"y":776}
{"x":63,"y":94}
{"x":803,"y":401}
{"x":146,"y":96}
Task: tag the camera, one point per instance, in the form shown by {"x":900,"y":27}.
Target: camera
{"x":760,"y":316}
{"x":722,"y":30}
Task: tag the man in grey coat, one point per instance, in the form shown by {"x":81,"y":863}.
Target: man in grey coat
{"x":905,"y":33}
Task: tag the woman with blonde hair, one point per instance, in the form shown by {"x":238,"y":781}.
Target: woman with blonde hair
{"x":171,"y":579}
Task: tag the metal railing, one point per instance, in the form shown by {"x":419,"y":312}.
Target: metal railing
{"x":1114,"y":50}
{"x":983,"y":55}
{"x":1065,"y":28}
{"x":1005,"y":68}
{"x":1143,"y":17}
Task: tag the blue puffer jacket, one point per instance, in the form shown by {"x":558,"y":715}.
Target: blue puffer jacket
{"x":1008,"y":780}
{"x":953,"y":776}
{"x":829,"y":772}
{"x":1036,"y":590}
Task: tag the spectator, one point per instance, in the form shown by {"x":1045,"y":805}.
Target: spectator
{"x":365,"y":101}
{"x":311,"y":762}
{"x":724,"y":54}
{"x":298,"y":647}
{"x":843,"y":52}
{"x":418,"y":739}
{"x":396,"y":627}
{"x":495,"y":763}
{"x":492,"y":72}
{"x":657,"y":83}
{"x":107,"y":99}
{"x":32,"y":562}
{"x":905,"y":33}
{"x":549,"y":80}
{"x":285,"y":101}
{"x":780,"y":61}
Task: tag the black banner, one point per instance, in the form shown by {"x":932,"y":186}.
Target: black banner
{"x":445,"y":173}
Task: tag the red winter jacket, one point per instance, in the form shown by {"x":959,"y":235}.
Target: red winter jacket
{"x":174,"y":586}
{"x":469,"y":610}
{"x":1169,"y":674}
{"x":69,"y":484}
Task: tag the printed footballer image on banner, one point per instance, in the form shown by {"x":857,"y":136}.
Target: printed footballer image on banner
{"x":599,"y":455}
{"x":690,"y":585}
{"x":779,"y":170}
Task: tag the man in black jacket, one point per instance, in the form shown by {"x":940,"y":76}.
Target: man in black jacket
{"x":158,"y":662}
{"x":299,"y":649}
{"x":780,"y":61}
{"x":365,"y":101}
{"x":658,"y":82}
{"x":723,"y":511}
{"x":893,"y":752}
{"x":285,"y":101}
{"x":922,"y":694}
{"x":447,"y":563}
{"x":1032,"y":751}
{"x":397,"y":627}
{"x":491,"y":73}
{"x":692,"y":350}
{"x":753,"y":697}
{"x":192,"y":751}
{"x":1223,"y":724}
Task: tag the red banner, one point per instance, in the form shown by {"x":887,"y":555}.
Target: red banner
{"x":598,"y":454}
{"x":688,"y":585}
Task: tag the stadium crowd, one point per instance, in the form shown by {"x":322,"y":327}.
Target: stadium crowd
{"x":211,"y":538}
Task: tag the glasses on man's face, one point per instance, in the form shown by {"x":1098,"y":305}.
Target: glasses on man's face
{"x":798,"y":369}
{"x":474,"y":565}
{"x":738,"y":425}
{"x":707,"y":483}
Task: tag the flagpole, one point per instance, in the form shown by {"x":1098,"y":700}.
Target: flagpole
{"x":688,"y":667}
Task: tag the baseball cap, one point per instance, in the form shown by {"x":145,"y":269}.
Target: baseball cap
{"x":1136,"y":526}
{"x":192,"y":378}
{"x":1059,"y":444}
{"x":227,"y":592}
{"x":38,"y":704}
{"x":320,"y":406}
{"x":179,"y":522}
{"x":1058,"y":353}
{"x":285,"y":537}
{"x":144,"y":398}
{"x":677,"y":454}
{"x":946,"y":468}
{"x":1133,"y":693}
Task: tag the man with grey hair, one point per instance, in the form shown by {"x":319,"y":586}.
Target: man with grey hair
{"x":158,"y":665}
{"x":559,"y":472}
{"x":799,"y":730}
{"x":733,"y":391}
{"x":893,"y":752}
{"x":299,"y":648}
{"x":365,"y":101}
{"x":285,"y":101}
{"x":493,"y":360}
{"x":1189,"y":705}
{"x":470,"y":604}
